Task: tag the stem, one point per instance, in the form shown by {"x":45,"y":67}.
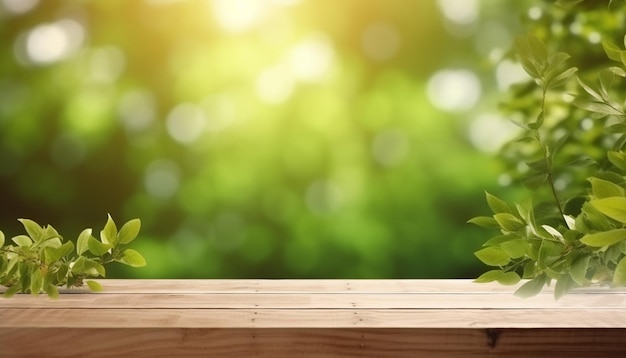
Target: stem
{"x":546,"y":154}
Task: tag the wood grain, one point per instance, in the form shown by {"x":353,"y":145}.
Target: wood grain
{"x":313,"y":318}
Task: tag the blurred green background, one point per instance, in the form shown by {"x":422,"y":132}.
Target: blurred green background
{"x":260,"y":138}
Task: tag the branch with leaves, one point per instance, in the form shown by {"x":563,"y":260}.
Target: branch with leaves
{"x":41,"y":261}
{"x":575,"y":250}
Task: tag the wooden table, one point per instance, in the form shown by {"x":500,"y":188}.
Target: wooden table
{"x":313,"y":318}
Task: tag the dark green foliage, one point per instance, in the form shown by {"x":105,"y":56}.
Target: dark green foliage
{"x":573,"y":228}
{"x":41,"y":261}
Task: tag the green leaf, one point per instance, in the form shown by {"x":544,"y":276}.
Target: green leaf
{"x":132,"y":258}
{"x":562,"y":78}
{"x":604,"y":188}
{"x":497,"y":205}
{"x":497,"y":240}
{"x":94,"y":286}
{"x":36,"y":282}
{"x":613,"y":207}
{"x":52,"y":291}
{"x":564,"y":284}
{"x":33,"y":229}
{"x":597,"y":107}
{"x":53,"y":254}
{"x":129,"y":231}
{"x":1,"y":239}
{"x":604,"y":238}
{"x":493,"y":256}
{"x":108,"y":235}
{"x":484,"y":221}
{"x":83,"y":265}
{"x":612,"y":51}
{"x":532,"y":287}
{"x":535,"y":181}
{"x":619,"y":277}
{"x":82,"y":243}
{"x":96,"y":247}
{"x":515,"y":248}
{"x":489,"y":276}
{"x":578,"y":270}
{"x":509,"y":222}
{"x":567,"y":3}
{"x":618,"y":159}
{"x":22,"y":241}
{"x":509,"y":278}
{"x":12,"y":290}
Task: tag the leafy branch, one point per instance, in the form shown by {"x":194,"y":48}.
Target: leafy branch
{"x":576,"y":250}
{"x":40,"y":261}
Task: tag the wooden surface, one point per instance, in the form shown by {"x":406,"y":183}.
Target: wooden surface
{"x":313,"y":318}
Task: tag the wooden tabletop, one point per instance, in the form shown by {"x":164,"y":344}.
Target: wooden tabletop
{"x":313,"y":318}
{"x":315,"y":303}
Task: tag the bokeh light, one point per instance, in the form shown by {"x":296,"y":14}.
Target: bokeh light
{"x":259,"y":138}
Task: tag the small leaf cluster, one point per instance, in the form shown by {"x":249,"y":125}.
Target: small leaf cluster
{"x":41,"y":261}
{"x":578,"y":240}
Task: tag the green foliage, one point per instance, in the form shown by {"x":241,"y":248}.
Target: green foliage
{"x":573,"y":229}
{"x":41,"y":261}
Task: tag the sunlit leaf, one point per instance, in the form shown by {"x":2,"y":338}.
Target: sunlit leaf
{"x":613,"y":207}
{"x":509,"y":278}
{"x":52,"y":291}
{"x":94,"y":286}
{"x":133,"y":258}
{"x":484,"y":221}
{"x":515,"y":248}
{"x":497,"y":205}
{"x":82,"y":243}
{"x":604,"y":238}
{"x":604,"y":188}
{"x":96,"y":247}
{"x":129,"y":231}
{"x":493,"y":256}
{"x":1,"y":239}
{"x":509,"y":222}
{"x":53,"y":254}
{"x":489,"y":276}
{"x":34,"y":230}
{"x":22,"y":240}
{"x":108,"y":235}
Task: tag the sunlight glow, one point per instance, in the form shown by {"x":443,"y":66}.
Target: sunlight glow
{"x":53,"y":42}
{"x":312,"y":58}
{"x":509,"y":73}
{"x":185,"y":123}
{"x":137,"y":110}
{"x":463,"y":12}
{"x":488,"y":132}
{"x":19,"y":6}
{"x":162,"y":178}
{"x":237,"y":15}
{"x":274,"y":85}
{"x":454,"y":90}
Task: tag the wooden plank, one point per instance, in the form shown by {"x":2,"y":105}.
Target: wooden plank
{"x":318,"y":286}
{"x":277,"y":343}
{"x":229,"y":300}
{"x":310,"y":318}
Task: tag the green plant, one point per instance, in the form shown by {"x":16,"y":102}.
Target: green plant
{"x":572,"y":230}
{"x":41,"y":261}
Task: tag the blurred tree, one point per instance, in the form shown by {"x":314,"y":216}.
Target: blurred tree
{"x":258,"y":138}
